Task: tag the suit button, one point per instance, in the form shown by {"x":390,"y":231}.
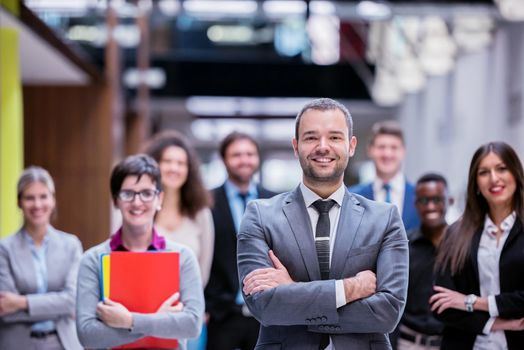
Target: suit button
{"x":308,"y":320}
{"x":331,"y":328}
{"x":321,"y":327}
{"x":324,"y":318}
{"x":337,"y":328}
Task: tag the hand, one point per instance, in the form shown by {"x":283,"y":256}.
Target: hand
{"x":266,"y":278}
{"x":446,"y":299}
{"x":363,"y":285}
{"x":114,"y":314}
{"x":167,"y":306}
{"x":501,"y":324}
{"x":11,"y":303}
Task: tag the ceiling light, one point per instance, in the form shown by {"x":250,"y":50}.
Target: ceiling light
{"x":373,"y":10}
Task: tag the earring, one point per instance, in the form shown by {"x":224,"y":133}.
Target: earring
{"x":159,"y":208}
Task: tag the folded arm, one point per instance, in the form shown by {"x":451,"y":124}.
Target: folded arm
{"x":381,"y":311}
{"x":278,"y":300}
{"x":94,"y":333}
{"x":44,"y":306}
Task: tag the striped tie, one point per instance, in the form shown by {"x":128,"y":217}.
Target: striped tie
{"x":322,"y":235}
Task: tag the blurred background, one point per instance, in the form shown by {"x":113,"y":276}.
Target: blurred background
{"x":85,"y":82}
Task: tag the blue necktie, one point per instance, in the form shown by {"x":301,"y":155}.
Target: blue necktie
{"x":387,"y":188}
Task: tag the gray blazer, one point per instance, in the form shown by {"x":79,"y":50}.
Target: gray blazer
{"x":94,"y":334}
{"x":17,"y":275}
{"x":370,"y":236}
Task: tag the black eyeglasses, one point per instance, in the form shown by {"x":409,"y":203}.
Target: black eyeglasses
{"x":129,"y":195}
{"x":426,"y":200}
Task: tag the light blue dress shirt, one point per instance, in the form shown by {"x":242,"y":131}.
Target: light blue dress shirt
{"x":39,"y":257}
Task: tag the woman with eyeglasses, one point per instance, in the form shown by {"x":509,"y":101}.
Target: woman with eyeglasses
{"x":37,"y":290}
{"x":479,"y":289}
{"x":137,"y":192}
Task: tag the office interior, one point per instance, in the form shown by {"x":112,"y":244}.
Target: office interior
{"x":84,"y":83}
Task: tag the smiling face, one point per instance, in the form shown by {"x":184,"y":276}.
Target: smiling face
{"x":323,"y":146}
{"x":37,"y":204}
{"x":241,"y":160}
{"x":387,"y":153}
{"x":138,"y":215}
{"x":173,"y":167}
{"x":432,"y":203}
{"x":495,"y":182}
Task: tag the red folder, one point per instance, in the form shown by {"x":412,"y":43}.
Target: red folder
{"x":142,"y":281}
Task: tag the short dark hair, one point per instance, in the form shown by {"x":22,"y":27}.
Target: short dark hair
{"x":386,"y":127}
{"x":325,"y":104}
{"x":432,"y":177}
{"x":193,"y":194}
{"x":135,"y":165}
{"x":235,"y":136}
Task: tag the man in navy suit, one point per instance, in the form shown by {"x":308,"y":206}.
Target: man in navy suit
{"x":231,"y":325}
{"x":387,"y":150}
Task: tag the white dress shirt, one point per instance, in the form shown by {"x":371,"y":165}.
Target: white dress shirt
{"x":489,"y":277}
{"x":398,"y":187}
{"x":334,"y":215}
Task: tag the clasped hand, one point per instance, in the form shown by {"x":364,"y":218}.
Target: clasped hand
{"x":266,"y":278}
{"x":117,"y":315}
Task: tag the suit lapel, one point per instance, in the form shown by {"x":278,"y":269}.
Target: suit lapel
{"x":298,"y":218}
{"x":25,"y":262}
{"x":350,"y":217}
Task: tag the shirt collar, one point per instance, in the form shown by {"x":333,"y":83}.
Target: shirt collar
{"x":30,"y":240}
{"x":310,"y":197}
{"x":233,"y":190}
{"x":505,"y":226}
{"x":157,"y":242}
{"x":397,"y":183}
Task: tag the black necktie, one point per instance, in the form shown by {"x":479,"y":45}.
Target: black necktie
{"x":322,"y":235}
{"x":243,"y":196}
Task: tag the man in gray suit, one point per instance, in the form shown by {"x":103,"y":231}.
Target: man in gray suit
{"x":322,"y":268}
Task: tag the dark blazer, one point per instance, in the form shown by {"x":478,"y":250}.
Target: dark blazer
{"x":409,"y":212}
{"x":222,"y":288}
{"x":461,"y":327}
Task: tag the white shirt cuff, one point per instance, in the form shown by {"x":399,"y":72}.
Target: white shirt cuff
{"x":492,"y":306}
{"x":487,"y":327}
{"x":340,"y":294}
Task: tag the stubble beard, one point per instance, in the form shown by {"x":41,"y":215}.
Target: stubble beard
{"x":315,"y":177}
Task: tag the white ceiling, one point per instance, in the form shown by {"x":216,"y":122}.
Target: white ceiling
{"x":41,"y":64}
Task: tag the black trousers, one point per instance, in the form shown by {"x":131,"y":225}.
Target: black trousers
{"x":235,"y":332}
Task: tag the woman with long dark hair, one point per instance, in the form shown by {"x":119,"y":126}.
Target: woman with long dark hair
{"x":479,"y":289}
{"x":185,"y":216}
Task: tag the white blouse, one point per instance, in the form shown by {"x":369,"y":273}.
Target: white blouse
{"x":489,"y":277}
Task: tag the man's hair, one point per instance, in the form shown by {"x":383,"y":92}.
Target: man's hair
{"x":432,"y":177}
{"x":135,"y":165}
{"x":233,"y":137}
{"x":386,"y":127}
{"x":325,"y":104}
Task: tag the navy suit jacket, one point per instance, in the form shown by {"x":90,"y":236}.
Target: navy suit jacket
{"x":409,"y":212}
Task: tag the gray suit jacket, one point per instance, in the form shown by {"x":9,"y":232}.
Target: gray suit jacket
{"x":17,"y":275}
{"x":370,"y":236}
{"x":94,"y":334}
